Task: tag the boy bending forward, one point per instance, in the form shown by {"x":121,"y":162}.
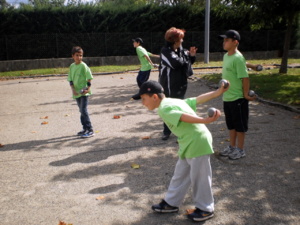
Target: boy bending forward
{"x":195,"y":147}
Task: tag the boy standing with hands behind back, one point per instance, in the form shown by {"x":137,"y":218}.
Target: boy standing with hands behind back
{"x":146,"y":63}
{"x":236,"y":99}
{"x":80,"y":77}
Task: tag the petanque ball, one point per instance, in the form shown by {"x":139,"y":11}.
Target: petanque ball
{"x":225,"y":83}
{"x":251,"y":93}
{"x":211,"y":112}
{"x":259,"y":68}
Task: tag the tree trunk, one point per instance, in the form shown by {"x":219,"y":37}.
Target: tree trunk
{"x":287,"y":41}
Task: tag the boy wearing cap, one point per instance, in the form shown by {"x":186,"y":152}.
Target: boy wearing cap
{"x":146,"y":63}
{"x":236,"y":99}
{"x":195,"y":147}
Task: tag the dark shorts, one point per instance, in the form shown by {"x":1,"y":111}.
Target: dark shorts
{"x":237,"y":115}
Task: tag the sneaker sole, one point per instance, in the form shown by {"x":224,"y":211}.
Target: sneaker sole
{"x":236,"y":158}
{"x":224,"y":155}
{"x":87,"y":136}
{"x":201,"y":219}
{"x":166,"y":210}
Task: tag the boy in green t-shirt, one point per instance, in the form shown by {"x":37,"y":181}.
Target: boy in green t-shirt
{"x":146,"y":63}
{"x":195,"y":147}
{"x":80,"y":77}
{"x":236,"y":99}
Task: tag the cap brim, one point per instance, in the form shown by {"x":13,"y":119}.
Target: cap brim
{"x":222,"y":36}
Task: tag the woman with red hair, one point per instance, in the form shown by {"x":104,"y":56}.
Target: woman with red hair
{"x":175,"y":67}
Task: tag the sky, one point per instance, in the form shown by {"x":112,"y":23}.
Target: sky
{"x":14,"y":2}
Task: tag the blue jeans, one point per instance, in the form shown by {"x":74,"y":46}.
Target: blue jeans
{"x":82,"y":103}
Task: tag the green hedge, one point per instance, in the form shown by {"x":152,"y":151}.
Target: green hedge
{"x":48,"y":32}
{"x":89,"y":19}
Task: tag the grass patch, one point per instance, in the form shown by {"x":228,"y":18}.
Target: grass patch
{"x":270,"y":85}
{"x":57,"y":71}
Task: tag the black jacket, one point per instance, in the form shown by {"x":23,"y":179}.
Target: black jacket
{"x":174,"y":69}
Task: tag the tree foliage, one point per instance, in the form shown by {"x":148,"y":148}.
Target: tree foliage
{"x":268,"y":13}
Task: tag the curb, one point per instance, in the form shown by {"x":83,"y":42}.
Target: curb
{"x":259,"y":99}
{"x":280,"y":105}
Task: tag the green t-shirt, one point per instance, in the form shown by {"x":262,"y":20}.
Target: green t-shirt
{"x":79,"y":74}
{"x":194,"y":139}
{"x":234,"y":69}
{"x":145,"y":65}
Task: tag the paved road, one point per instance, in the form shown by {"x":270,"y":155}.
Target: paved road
{"x":48,"y":174}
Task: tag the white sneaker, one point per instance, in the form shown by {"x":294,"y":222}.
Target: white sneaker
{"x":237,"y":154}
{"x":226,"y":151}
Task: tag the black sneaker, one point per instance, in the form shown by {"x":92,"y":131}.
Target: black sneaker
{"x":81,"y":132}
{"x":136,"y":97}
{"x":199,"y":215}
{"x":165,"y":137}
{"x":88,"y":134}
{"x":164,"y":207}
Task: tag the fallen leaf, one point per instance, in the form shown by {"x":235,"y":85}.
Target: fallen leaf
{"x":297,"y":117}
{"x":146,"y":137}
{"x":135,"y":166}
{"x":63,"y":223}
{"x":45,"y":122}
{"x":45,"y":117}
{"x":121,"y":77}
{"x":189,"y":211}
{"x":67,"y":115}
{"x":33,"y":131}
{"x":1,"y":145}
{"x":117,"y":116}
{"x":222,"y":129}
{"x":227,"y":139}
{"x":97,"y":131}
{"x":100,"y":197}
{"x":222,"y":142}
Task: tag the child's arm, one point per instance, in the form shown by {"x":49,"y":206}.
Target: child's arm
{"x":88,"y":87}
{"x":187,"y":118}
{"x":211,"y":95}
{"x":149,"y":60}
{"x":154,"y":55}
{"x":246,"y":88}
{"x":73,"y":88}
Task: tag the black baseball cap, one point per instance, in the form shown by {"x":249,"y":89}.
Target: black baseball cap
{"x":231,"y":34}
{"x":151,"y":87}
{"x":139,"y":40}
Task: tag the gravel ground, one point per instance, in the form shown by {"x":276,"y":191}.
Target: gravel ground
{"x":48,"y":174}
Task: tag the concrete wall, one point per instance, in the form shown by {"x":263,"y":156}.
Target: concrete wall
{"x":19,"y":65}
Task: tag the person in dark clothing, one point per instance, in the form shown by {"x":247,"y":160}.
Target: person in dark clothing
{"x":175,"y":67}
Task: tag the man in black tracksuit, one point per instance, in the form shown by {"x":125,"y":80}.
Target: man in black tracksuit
{"x":175,"y":67}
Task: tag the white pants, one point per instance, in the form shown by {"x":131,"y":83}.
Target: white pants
{"x":195,"y":172}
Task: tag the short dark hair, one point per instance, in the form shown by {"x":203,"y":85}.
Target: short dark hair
{"x":138,"y":40}
{"x":76,"y":49}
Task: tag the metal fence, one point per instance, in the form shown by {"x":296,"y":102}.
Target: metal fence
{"x":41,"y":46}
